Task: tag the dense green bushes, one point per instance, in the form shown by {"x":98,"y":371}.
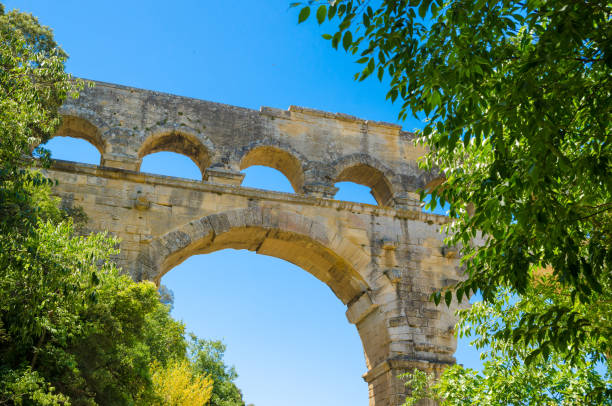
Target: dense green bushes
{"x":73,"y":330}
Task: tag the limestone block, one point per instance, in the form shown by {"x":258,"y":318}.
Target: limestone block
{"x":358,"y":310}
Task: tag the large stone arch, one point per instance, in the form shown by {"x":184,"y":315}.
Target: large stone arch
{"x":289,"y":236}
{"x":285,"y":235}
{"x":180,"y":140}
{"x":278,"y":158}
{"x":367,"y":171}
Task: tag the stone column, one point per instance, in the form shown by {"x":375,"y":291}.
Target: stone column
{"x":407,"y":201}
{"x":223,"y":176}
{"x":321,"y":190}
{"x":400,"y":327}
{"x":120,"y":161}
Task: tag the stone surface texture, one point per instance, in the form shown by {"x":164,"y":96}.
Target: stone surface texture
{"x":382,"y":262}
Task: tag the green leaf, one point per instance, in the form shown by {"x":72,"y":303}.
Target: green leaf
{"x":423,"y":7}
{"x":347,"y":40}
{"x":304,"y":14}
{"x":371,"y":66}
{"x":448,"y":297}
{"x":366,"y":20}
{"x":321,"y":13}
{"x":336,"y":39}
{"x":327,"y":36}
{"x":332,"y":11}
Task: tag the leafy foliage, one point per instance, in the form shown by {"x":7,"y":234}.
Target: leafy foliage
{"x":207,"y":359}
{"x":517,"y":99}
{"x":33,"y":85}
{"x":73,"y":330}
{"x":177,"y":385}
{"x":507,"y":379}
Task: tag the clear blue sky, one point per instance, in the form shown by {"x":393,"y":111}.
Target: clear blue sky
{"x":285,"y":331}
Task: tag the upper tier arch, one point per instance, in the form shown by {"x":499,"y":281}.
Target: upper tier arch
{"x":277,"y":158}
{"x":311,"y":148}
{"x":78,"y":127}
{"x":179,"y":141}
{"x":367,"y":171}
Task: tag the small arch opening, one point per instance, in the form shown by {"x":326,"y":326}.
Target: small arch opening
{"x":277,"y":159}
{"x":371,"y":177}
{"x":434,"y":207}
{"x":76,"y":127}
{"x":170,"y":164}
{"x":180,"y":143}
{"x":73,"y":149}
{"x":263,"y":177}
{"x":353,"y":192}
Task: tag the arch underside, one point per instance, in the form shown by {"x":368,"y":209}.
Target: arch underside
{"x":278,"y":159}
{"x":76,"y":127}
{"x":371,"y":177}
{"x":305,"y":245}
{"x":178,"y":142}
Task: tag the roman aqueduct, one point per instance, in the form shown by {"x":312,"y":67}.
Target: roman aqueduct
{"x":382,"y":262}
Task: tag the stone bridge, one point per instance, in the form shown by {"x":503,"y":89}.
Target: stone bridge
{"x":382,"y":262}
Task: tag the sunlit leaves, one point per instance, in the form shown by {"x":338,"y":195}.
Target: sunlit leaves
{"x":518,"y":104}
{"x":177,"y":384}
{"x":518,"y":371}
{"x":73,"y":330}
{"x":207,"y":358}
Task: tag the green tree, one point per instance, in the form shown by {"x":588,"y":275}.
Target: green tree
{"x":72,"y":329}
{"x":506,"y":379}
{"x":178,"y":386}
{"x":516,"y":96}
{"x":207,"y":359}
{"x":33,"y":85}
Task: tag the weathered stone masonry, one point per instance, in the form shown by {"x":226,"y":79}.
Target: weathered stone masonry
{"x":381,"y":261}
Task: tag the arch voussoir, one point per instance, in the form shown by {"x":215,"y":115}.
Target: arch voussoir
{"x":284,"y":234}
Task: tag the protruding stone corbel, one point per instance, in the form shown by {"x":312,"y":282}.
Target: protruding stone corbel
{"x":393,"y":274}
{"x":449,"y":252}
{"x":223,"y":176}
{"x":389,"y":247}
{"x":388,"y":244}
{"x":360,"y":308}
{"x":141,"y":202}
{"x":321,"y":190}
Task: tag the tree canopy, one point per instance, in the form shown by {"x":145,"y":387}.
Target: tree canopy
{"x":506,"y":379}
{"x":207,"y":358}
{"x":516,"y":101}
{"x":73,"y":329}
